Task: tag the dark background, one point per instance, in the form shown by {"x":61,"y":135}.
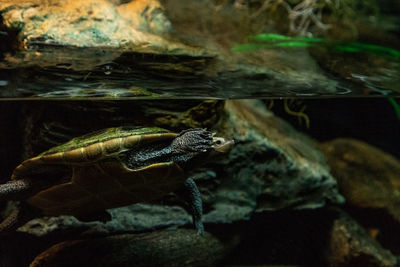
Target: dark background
{"x":372,"y":120}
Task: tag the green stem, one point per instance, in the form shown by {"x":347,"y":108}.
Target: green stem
{"x":395,"y":105}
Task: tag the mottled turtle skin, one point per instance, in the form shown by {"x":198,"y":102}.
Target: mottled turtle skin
{"x":107,"y":169}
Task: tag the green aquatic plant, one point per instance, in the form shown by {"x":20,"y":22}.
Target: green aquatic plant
{"x":273,"y":37}
{"x":368,"y":48}
{"x":272,"y":40}
{"x":395,"y":105}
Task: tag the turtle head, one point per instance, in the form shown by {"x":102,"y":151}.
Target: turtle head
{"x":193,"y":146}
{"x":222,"y":145}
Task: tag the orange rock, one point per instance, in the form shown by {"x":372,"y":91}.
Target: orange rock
{"x":367,"y":176}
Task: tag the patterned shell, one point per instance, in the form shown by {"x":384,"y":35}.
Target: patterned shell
{"x":98,"y":179}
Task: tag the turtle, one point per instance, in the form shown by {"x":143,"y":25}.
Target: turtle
{"x":109,"y":168}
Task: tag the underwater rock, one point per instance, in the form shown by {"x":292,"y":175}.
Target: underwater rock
{"x":133,"y":218}
{"x":367,"y":176}
{"x":272,"y":166}
{"x":350,"y":245}
{"x":161,"y":248}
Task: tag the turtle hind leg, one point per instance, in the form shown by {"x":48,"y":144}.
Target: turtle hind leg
{"x":18,"y":217}
{"x":15,"y":190}
{"x":196,"y":204}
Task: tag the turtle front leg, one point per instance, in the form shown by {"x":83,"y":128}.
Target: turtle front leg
{"x":15,"y":190}
{"x":196,"y":204}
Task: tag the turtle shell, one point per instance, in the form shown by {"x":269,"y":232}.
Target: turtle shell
{"x":97,"y":179}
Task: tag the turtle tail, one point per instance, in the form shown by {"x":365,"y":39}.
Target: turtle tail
{"x":17,"y":218}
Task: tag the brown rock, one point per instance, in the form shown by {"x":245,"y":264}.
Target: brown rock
{"x":350,"y":245}
{"x":162,"y":248}
{"x":88,"y":23}
{"x":367,"y":176}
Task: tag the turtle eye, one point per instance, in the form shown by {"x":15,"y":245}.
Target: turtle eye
{"x":222,"y":145}
{"x":218,"y":141}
